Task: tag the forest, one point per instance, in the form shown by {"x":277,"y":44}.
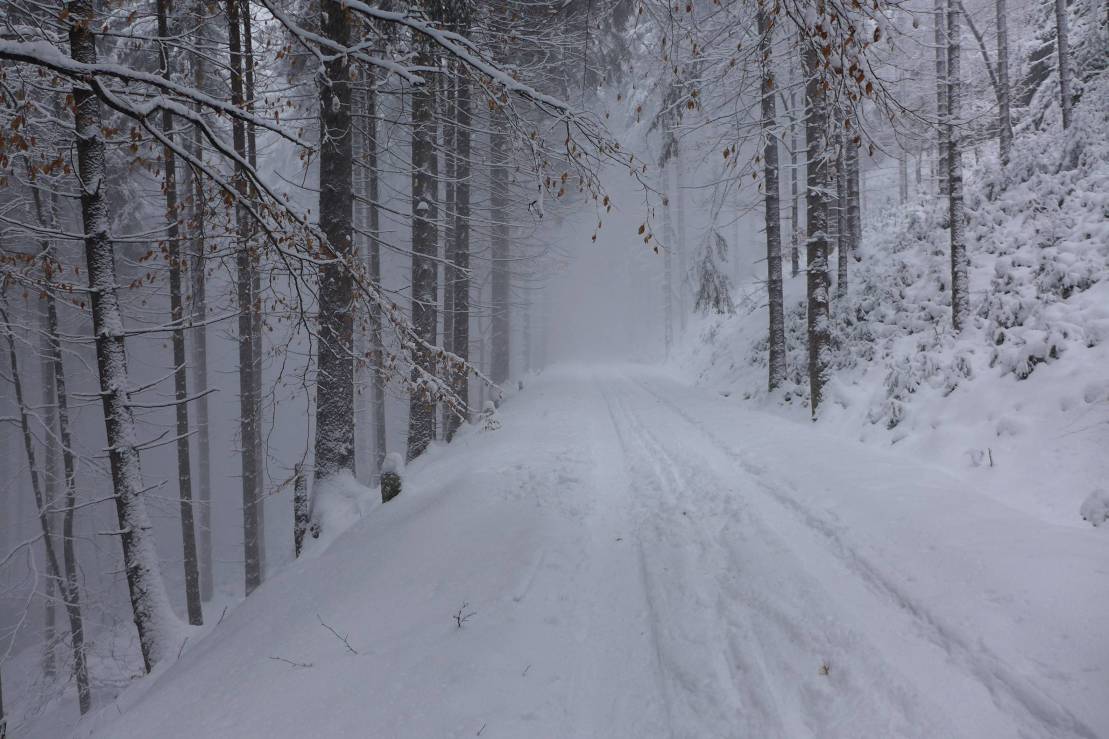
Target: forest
{"x":554,"y":368}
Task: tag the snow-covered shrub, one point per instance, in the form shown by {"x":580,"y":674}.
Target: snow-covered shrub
{"x":490,"y":421}
{"x":1095,"y":508}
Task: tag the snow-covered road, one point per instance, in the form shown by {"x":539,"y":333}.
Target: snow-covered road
{"x":646,"y":559}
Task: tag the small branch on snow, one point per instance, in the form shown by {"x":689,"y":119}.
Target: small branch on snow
{"x":295,"y":665}
{"x":341,"y":638}
{"x":462,"y":616}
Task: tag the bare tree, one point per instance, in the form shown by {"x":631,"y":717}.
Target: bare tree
{"x":776,"y":373}
{"x":818,"y":184}
{"x":960,"y":299}
{"x":1063,"y":61}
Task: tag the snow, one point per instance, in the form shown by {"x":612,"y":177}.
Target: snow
{"x":646,"y":558}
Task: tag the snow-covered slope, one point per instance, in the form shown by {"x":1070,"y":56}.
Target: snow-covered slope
{"x":632,"y":557}
{"x":1018,"y":404}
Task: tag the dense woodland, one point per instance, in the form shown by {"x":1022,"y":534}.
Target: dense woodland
{"x":251,"y":252}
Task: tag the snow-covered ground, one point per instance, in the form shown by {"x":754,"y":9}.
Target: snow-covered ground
{"x":631,"y":556}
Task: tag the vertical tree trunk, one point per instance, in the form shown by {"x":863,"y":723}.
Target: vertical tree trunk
{"x":1005,"y":121}
{"x":940,"y":41}
{"x":777,"y":332}
{"x":1064,"y":62}
{"x":683,"y":272}
{"x":244,"y":289}
{"x":256,"y":300}
{"x":500,"y":250}
{"x":816,"y":207}
{"x":154,"y":618}
{"x":180,"y":364}
{"x":199,"y":352}
{"x":843,"y":233}
{"x":425,"y":293}
{"x":854,"y":196}
{"x":667,"y":261}
{"x":460,"y":251}
{"x":335,"y":350}
{"x":377,"y":353}
{"x":795,"y":174}
{"x":54,"y":378}
{"x":960,"y":298}
{"x":50,"y":483}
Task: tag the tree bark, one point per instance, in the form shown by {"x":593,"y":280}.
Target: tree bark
{"x":941,"y":44}
{"x":377,"y":354}
{"x":776,"y":374}
{"x":335,"y":348}
{"x":460,"y":245}
{"x":154,"y":618}
{"x":425,"y":293}
{"x":818,"y":182}
{"x":180,"y":364}
{"x":244,"y":293}
{"x":1062,"y":43}
{"x":500,"y":250}
{"x":960,"y":298}
{"x":1005,"y":122}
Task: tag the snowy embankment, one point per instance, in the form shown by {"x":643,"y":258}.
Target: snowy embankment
{"x":631,"y":557}
{"x":1018,"y":404}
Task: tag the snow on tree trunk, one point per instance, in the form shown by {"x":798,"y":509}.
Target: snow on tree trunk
{"x":843,"y":234}
{"x":960,"y":298}
{"x":154,"y":618}
{"x":425,"y":293}
{"x":50,"y":479}
{"x":667,"y":262}
{"x":1005,"y":121}
{"x":334,"y":346}
{"x":180,"y":364}
{"x":1062,"y":45}
{"x":459,"y":257}
{"x":776,"y":369}
{"x":502,"y":265}
{"x":818,"y":184}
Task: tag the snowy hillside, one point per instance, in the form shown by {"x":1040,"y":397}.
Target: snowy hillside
{"x":630,"y":557}
{"x":1018,"y":403}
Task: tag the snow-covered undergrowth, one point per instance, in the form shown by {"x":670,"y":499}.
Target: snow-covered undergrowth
{"x":1021,"y":396}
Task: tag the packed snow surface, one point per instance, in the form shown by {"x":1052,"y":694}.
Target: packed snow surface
{"x":627,"y":556}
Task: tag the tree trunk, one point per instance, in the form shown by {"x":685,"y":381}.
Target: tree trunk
{"x":960,"y":299}
{"x":843,"y":234}
{"x":460,"y":246}
{"x":816,"y":207}
{"x":1005,"y":121}
{"x":377,"y":354}
{"x":50,"y":477}
{"x":940,"y":40}
{"x":795,"y":175}
{"x":199,"y":352}
{"x":1064,"y":62}
{"x":500,"y":250}
{"x":180,"y":364}
{"x":244,"y":289}
{"x":777,"y":332}
{"x":854,"y":197}
{"x":54,"y":378}
{"x":667,"y":261}
{"x":425,"y":293}
{"x":154,"y":619}
{"x":335,"y":349}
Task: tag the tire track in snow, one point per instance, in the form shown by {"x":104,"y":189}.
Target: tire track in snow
{"x":1008,"y":690}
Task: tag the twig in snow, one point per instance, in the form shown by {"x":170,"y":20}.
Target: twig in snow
{"x":182,"y":648}
{"x":341,"y":638}
{"x":525,"y":672}
{"x":295,"y":665}
{"x":481,"y":729}
{"x":462,"y":616}
{"x":222,"y":614}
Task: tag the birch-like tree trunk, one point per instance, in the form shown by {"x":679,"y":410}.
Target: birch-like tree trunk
{"x":854,"y":198}
{"x":1062,"y":45}
{"x":335,"y":344}
{"x":460,"y":245}
{"x":244,"y":293}
{"x":960,"y":298}
{"x":154,"y":618}
{"x":776,"y":373}
{"x":425,"y":242}
{"x":816,"y":206}
{"x":843,"y":234}
{"x":177,"y":320}
{"x":794,"y":173}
